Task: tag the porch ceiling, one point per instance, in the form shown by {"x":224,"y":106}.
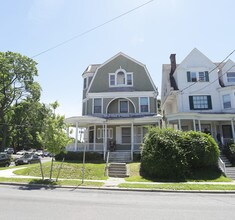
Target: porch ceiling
{"x":84,"y":121}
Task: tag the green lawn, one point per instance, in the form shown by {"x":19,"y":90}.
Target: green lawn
{"x":210,"y":175}
{"x":93,"y":171}
{"x":178,"y":186}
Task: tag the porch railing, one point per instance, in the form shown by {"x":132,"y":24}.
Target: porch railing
{"x":222,"y":166}
{"x":98,"y":147}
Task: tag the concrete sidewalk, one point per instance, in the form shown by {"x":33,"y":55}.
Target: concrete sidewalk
{"x":111,"y":182}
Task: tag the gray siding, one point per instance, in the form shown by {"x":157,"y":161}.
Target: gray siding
{"x":141,"y":81}
{"x":89,"y":106}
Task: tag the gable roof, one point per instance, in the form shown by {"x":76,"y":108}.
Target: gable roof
{"x":128,"y":57}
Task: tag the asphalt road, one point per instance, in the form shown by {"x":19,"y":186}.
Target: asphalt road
{"x":68,"y":204}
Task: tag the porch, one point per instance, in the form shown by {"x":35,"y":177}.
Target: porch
{"x":103,"y":135}
{"x":219,"y":126}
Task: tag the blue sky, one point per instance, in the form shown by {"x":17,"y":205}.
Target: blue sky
{"x":149,"y":35}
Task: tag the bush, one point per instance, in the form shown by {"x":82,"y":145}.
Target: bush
{"x":201,"y":149}
{"x":161,"y":155}
{"x":171,"y":154}
{"x":78,"y":156}
{"x":229,"y":151}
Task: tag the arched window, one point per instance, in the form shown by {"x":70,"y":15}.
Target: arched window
{"x":121,"y":78}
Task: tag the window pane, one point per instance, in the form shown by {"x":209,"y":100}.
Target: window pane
{"x":120,"y":78}
{"x":144,"y":104}
{"x":126,"y":135}
{"x":202,"y":76}
{"x":129,"y":79}
{"x":226,"y":101}
{"x":200,"y":102}
{"x":231,"y":77}
{"x":123,"y":106}
{"x":97,"y":105}
{"x":193,"y":77}
{"x":112,"y":80}
{"x":84,"y":85}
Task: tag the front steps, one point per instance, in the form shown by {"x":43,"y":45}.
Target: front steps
{"x":117,"y":170}
{"x":230,"y":171}
{"x":120,"y":156}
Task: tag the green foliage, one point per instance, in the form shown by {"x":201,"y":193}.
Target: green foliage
{"x":171,"y":154}
{"x":229,"y":151}
{"x":162,"y":156}
{"x":78,"y":156}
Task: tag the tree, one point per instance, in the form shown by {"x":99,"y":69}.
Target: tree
{"x":17,"y":83}
{"x":54,"y":136}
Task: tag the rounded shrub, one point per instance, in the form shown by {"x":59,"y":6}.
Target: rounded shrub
{"x":201,"y":149}
{"x":161,"y":156}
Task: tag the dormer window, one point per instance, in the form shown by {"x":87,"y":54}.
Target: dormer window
{"x":202,"y":76}
{"x":120,"y":78}
{"x":231,"y":76}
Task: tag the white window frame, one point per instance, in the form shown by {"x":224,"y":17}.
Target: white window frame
{"x":119,"y":106}
{"x":197,"y":76}
{"x":224,"y":103}
{"x":93,"y":106}
{"x":85,"y":85}
{"x":128,"y":136}
{"x":230,"y":79}
{"x":140,"y":105}
{"x":125,"y":75}
{"x":100,"y":132}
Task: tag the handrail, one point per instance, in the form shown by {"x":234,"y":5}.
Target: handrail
{"x":222,"y":165}
{"x":107,"y":162}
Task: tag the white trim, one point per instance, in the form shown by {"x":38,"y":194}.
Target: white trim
{"x":148,"y":104}
{"x":121,"y":94}
{"x":125,"y":75}
{"x":112,"y":74}
{"x":106,"y":112}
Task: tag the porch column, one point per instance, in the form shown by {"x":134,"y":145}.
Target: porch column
{"x":199,"y":125}
{"x":67,"y":131}
{"x":105,"y":136}
{"x":194,"y":125}
{"x":94,"y":141}
{"x":232,"y":125}
{"x":179,"y":124}
{"x":132,"y":140}
{"x":76,"y":138}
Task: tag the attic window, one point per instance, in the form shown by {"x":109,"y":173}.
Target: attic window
{"x":120,"y":78}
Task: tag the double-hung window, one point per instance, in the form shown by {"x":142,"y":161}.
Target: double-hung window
{"x":112,"y":81}
{"x":144,"y":104}
{"x":200,"y":102}
{"x":202,"y":76}
{"x":120,"y":78}
{"x":123,"y":106}
{"x":97,"y":105}
{"x":226,"y":101}
{"x":231,"y":76}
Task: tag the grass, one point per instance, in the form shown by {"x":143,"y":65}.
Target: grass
{"x":208,"y":175}
{"x":51,"y":183}
{"x":178,"y":186}
{"x":68,"y":171}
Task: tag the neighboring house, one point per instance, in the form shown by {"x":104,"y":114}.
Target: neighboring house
{"x":119,"y":102}
{"x":199,"y":95}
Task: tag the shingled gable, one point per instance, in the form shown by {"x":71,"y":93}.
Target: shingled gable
{"x":127,"y":57}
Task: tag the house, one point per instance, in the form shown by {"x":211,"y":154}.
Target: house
{"x":119,"y":102}
{"x":198,"y":94}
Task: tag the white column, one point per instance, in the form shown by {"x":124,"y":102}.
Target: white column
{"x":105,"y":136}
{"x":94,"y":138}
{"x":179,"y":124}
{"x":194,"y":125}
{"x":67,"y":131}
{"x":199,"y":125}
{"x":232,"y":125}
{"x":132,"y":140}
{"x":76,"y":138}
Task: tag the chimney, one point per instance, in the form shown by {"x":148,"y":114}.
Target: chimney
{"x":173,"y":64}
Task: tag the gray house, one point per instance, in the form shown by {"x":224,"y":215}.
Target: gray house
{"x":119,"y":103}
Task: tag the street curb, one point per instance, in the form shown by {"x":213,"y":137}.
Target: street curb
{"x":119,"y":189}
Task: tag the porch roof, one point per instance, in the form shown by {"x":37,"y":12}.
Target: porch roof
{"x":84,"y":121}
{"x":201,"y":116}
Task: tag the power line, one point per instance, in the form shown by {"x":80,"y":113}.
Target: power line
{"x":214,"y":80}
{"x":91,"y":29}
{"x":217,"y":66}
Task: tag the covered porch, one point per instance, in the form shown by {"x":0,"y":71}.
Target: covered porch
{"x":117,"y":134}
{"x":220,"y":126}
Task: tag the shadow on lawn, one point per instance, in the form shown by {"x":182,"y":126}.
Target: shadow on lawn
{"x":205,"y":174}
{"x":40,"y":184}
